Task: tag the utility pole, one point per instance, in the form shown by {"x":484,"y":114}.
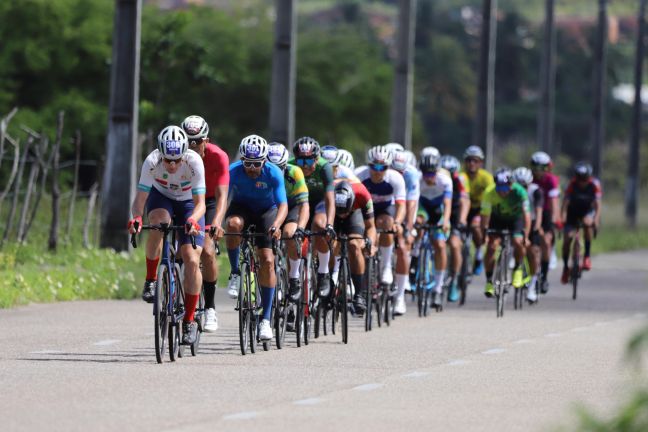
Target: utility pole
{"x":119,"y":176}
{"x":486,"y":88}
{"x":598,"y":113}
{"x":547,"y":82}
{"x":400,"y":130}
{"x":282,"y":93}
{"x":632,"y":182}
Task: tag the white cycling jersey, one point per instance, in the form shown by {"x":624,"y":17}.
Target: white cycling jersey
{"x":432,"y":195}
{"x":187,"y":181}
{"x":345,"y":173}
{"x":387,"y":192}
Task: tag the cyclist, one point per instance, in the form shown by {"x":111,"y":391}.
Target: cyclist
{"x":411,"y":159}
{"x":387,"y":189}
{"x":216,"y":165}
{"x":345,"y":158}
{"x":549,"y":184}
{"x":319,"y":180}
{"x":172,"y":186}
{"x":458,"y":218}
{"x":505,"y":207}
{"x":582,"y":205}
{"x":524,"y":177}
{"x":412,"y":194}
{"x":333,"y":155}
{"x":298,"y":211}
{"x":478,"y":181}
{"x":354,"y":216}
{"x":257,"y":197}
{"x":435,"y":208}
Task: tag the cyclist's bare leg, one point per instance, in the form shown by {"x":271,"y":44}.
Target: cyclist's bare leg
{"x":566,"y":248}
{"x":287,"y":231}
{"x":533,"y":256}
{"x":356,"y":258}
{"x":318,"y":225}
{"x":154,"y":240}
{"x":233,"y":225}
{"x":455,"y":247}
{"x":518,"y":250}
{"x":489,"y":259}
{"x":267,"y":277}
{"x":192,"y":275}
{"x":208,"y":259}
{"x":385,"y":222}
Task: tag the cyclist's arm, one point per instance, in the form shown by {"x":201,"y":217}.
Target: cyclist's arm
{"x":221,"y":204}
{"x":399,"y":216}
{"x":199,"y":206}
{"x":447,"y":210}
{"x":563,"y":210}
{"x":597,"y":212}
{"x":137,"y":209}
{"x":464,"y":209}
{"x":370,"y":231}
{"x":329,"y":195}
{"x":555,"y":209}
{"x":527,"y":224}
{"x":282,"y":212}
{"x":410,"y":211}
{"x":538,"y":218}
{"x":304,"y":214}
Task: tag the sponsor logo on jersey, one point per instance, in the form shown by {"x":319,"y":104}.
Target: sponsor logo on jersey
{"x":174,"y":187}
{"x":261,"y":185}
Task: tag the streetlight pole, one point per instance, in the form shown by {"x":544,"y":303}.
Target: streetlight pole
{"x":547,"y":82}
{"x":598,"y":112}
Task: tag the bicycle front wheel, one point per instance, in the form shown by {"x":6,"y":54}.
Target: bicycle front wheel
{"x":575,"y":271}
{"x":342,"y":313}
{"x":160,"y":311}
{"x":243,"y":307}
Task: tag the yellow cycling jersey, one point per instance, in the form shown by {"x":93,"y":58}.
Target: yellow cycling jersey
{"x":478,"y":185}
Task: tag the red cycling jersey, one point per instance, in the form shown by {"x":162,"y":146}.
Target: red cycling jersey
{"x":363,"y":200}
{"x":216,"y":164}
{"x":550,"y":186}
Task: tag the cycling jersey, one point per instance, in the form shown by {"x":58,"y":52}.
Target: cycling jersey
{"x":345,"y":173}
{"x":188,"y":180}
{"x":258,"y":194}
{"x":363,"y":201}
{"x":509,"y":208}
{"x":387,"y":192}
{"x":432,"y":195}
{"x":550,"y":186}
{"x":216,"y":169}
{"x":459,"y":190}
{"x":582,"y":198}
{"x":319,"y":182}
{"x":478,"y":185}
{"x":296,"y":190}
{"x":412,"y":179}
{"x":536,"y":199}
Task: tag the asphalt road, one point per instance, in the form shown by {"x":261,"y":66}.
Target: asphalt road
{"x":91,"y":366}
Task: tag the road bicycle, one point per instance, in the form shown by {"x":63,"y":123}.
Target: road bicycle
{"x":388,"y":291}
{"x":425,"y":272}
{"x":502,"y":278}
{"x":465,"y":273}
{"x":310,"y":310}
{"x":168,"y":302}
{"x":576,"y":271}
{"x":285,"y":307}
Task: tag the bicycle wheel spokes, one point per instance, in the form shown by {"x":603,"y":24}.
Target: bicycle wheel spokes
{"x":254,"y":298}
{"x":179,"y":312}
{"x":160,"y":308}
{"x":243,"y":311}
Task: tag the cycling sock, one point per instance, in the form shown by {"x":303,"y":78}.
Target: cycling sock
{"x":588,"y":245}
{"x":489,"y":276}
{"x":534,"y":280}
{"x":191,"y":300}
{"x":479,"y":254}
{"x":151,"y":268}
{"x":566,"y":261}
{"x":233,"y":255}
{"x":438,"y":281}
{"x":401,"y":282}
{"x":209,"y":288}
{"x":357,"y":282}
{"x":452,"y":277}
{"x":386,"y":252}
{"x":294,"y":268}
{"x":544,"y":269}
{"x":416,"y":249}
{"x":267,"y":294}
{"x":323,"y":262}
{"x":336,"y":264}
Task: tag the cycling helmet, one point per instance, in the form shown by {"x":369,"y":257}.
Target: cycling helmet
{"x":195,"y":127}
{"x":379,"y":154}
{"x":344,"y":198}
{"x":253,"y":148}
{"x":172,"y":142}
{"x":430,"y":162}
{"x":278,"y":154}
{"x":475,"y":152}
{"x":392,"y":147}
{"x":450,"y":163}
{"x":329,"y":152}
{"x":399,"y":160}
{"x":583,"y":170}
{"x":523,"y":175}
{"x":430,"y":151}
{"x":503,"y":176}
{"x":411,"y":158}
{"x":344,"y":158}
{"x":306,"y":147}
{"x":540,"y":159}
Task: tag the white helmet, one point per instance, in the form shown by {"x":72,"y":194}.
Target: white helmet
{"x":540,"y":159}
{"x":523,"y":175}
{"x":195,"y":127}
{"x":344,"y":158}
{"x":450,"y":163}
{"x":172,"y":142}
{"x":400,"y":160}
{"x":411,"y":158}
{"x":278,"y":154}
{"x":379,"y":154}
{"x":392,"y":147}
{"x":430,"y":151}
{"x":474,"y":151}
{"x":329,"y":152}
{"x":253,"y":148}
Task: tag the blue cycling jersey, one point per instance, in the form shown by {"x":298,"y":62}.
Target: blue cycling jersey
{"x":258,"y":194}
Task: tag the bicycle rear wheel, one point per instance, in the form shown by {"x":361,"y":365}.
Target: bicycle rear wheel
{"x":160,"y":311}
{"x":281,"y":307}
{"x":243,"y":307}
{"x":254,"y":294}
{"x":199,"y":317}
{"x":176,"y":349}
{"x":500,"y":283}
{"x":575,"y":271}
{"x":463,"y":278}
{"x":341,"y":314}
{"x":369,"y":282}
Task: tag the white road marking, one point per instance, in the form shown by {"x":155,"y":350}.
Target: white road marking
{"x":46,"y":352}
{"x":306,"y":402}
{"x":245,"y":415}
{"x":107,"y":342}
{"x":458,"y":362}
{"x":494,"y":351}
{"x":368,"y":387}
{"x":552,"y":335}
{"x":523,"y":341}
{"x":416,"y":374}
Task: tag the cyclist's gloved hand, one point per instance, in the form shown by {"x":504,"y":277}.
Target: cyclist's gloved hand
{"x":216,"y":232}
{"x":274,"y":232}
{"x":559,"y":224}
{"x":462,"y":228}
{"x":135,"y":225}
{"x":330,"y":231}
{"x":192,"y":227}
{"x":300,"y":233}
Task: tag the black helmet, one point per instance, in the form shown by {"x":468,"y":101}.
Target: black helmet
{"x":344,"y":197}
{"x":306,"y":147}
{"x":503,"y":176}
{"x":583,"y":170}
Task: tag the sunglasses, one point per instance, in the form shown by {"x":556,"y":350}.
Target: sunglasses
{"x":378,"y":167}
{"x":252,"y":164}
{"x":309,"y":162}
{"x":429,"y":174}
{"x":177,"y":161}
{"x":196,"y":142}
{"x":503,"y":188}
{"x":471,"y":160}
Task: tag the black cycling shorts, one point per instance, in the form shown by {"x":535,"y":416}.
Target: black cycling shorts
{"x":261,"y":221}
{"x":351,"y":225}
